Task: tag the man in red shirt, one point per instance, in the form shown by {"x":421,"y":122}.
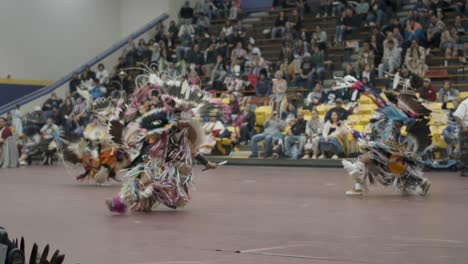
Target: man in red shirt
{"x":428,"y":92}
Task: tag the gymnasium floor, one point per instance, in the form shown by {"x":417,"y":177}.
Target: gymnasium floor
{"x":242,"y":215}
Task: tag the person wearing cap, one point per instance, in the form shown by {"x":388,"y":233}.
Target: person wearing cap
{"x":342,"y":113}
{"x":461,"y":116}
{"x":272,"y":128}
{"x":428,"y":92}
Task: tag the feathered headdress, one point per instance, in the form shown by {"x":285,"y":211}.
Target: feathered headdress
{"x":156,"y":121}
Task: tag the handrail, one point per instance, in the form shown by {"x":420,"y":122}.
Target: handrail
{"x":44,"y":91}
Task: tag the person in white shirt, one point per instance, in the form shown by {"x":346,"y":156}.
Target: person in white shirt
{"x":48,"y":145}
{"x":391,"y":59}
{"x":102,"y":75}
{"x":461,"y":116}
{"x":213,"y":129}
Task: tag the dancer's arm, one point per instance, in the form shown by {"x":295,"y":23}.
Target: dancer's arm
{"x":203,"y":160}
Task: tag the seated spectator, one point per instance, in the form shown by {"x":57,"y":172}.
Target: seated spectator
{"x":448,"y":94}
{"x":339,"y":110}
{"x":219,"y":70}
{"x":286,"y":68}
{"x":317,"y":59}
{"x":314,"y":130}
{"x":294,"y":23}
{"x":349,"y":70}
{"x":420,"y":9}
{"x":240,"y":29}
{"x":47,"y":144}
{"x":30,"y":147}
{"x":333,"y":137}
{"x":289,"y":109}
{"x":257,"y":63}
{"x":75,"y":82}
{"x":196,"y":57}
{"x":272,"y":129}
{"x":434,"y":30}
{"x":428,"y":92}
{"x":377,"y":48}
{"x":142,"y":51}
{"x":49,"y":104}
{"x":279,"y":84}
{"x":185,"y":35}
{"x":316,"y":97}
{"x":415,"y":60}
{"x":227,"y":29}
{"x":286,"y":52}
{"x":129,"y":53}
{"x":173,"y":29}
{"x":98,"y":90}
{"x":234,"y":83}
{"x":459,"y":26}
{"x":450,"y":135}
{"x":368,"y":73}
{"x":210,"y":61}
{"x":203,"y":23}
{"x":299,"y":49}
{"x":238,"y":55}
{"x":37,"y":118}
{"x":247,"y":127}
{"x":308,"y":73}
{"x":102,"y":75}
{"x":461,"y":7}
{"x":74,"y":124}
{"x":280,"y":25}
{"x":408,"y":80}
{"x":193,"y":78}
{"x":320,"y":37}
{"x":235,"y":9}
{"x":391,"y":37}
{"x":9,"y":149}
{"x":450,"y":42}
{"x":414,"y":31}
{"x":263,"y":87}
{"x":347,"y":23}
{"x":296,"y":137}
{"x":87,"y":76}
{"x":214,"y":129}
{"x":67,"y":107}
{"x":391,"y":59}
{"x":366,"y":56}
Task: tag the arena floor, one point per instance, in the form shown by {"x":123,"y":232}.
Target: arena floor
{"x":242,"y":215}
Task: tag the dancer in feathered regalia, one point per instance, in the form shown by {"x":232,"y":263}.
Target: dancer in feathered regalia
{"x":165,"y":141}
{"x":93,"y":151}
{"x":388,"y":157}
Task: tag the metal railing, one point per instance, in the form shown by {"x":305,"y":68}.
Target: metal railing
{"x":48,"y":89}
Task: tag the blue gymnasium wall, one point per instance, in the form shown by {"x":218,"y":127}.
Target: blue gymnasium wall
{"x":11,"y":91}
{"x":256,"y":3}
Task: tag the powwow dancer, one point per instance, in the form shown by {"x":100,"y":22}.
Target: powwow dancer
{"x":389,"y":158}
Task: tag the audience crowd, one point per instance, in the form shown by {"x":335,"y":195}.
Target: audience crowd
{"x":229,"y":61}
